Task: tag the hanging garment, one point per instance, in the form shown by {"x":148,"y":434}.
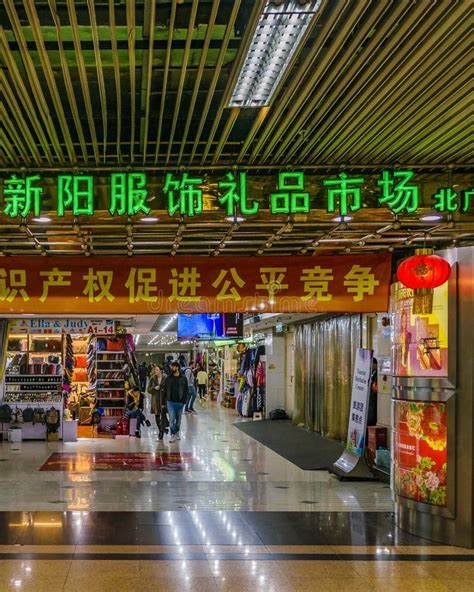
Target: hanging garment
{"x":245,"y":404}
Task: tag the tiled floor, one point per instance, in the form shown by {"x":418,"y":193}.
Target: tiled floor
{"x":234,"y":517}
{"x":223,"y":567}
{"x":228,"y":471}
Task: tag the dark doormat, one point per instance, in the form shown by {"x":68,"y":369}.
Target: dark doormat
{"x":307,"y":450}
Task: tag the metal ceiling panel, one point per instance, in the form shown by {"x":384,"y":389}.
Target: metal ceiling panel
{"x":104,"y":86}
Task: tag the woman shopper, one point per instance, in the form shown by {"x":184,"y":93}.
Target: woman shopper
{"x":157,"y":390}
{"x":176,"y":396}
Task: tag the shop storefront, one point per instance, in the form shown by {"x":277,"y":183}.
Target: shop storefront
{"x":67,"y":376}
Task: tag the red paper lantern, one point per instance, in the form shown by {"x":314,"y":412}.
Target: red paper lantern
{"x":423,"y":272}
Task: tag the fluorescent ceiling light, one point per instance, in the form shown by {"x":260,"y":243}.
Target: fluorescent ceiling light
{"x":42,"y":219}
{"x":279,"y":32}
{"x":149,"y":219}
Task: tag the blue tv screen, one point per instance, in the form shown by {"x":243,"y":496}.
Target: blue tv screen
{"x":211,"y":326}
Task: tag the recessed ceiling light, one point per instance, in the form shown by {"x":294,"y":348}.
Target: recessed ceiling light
{"x":235,"y":219}
{"x":41,"y":219}
{"x":149,"y":219}
{"x":431,"y":218}
{"x":342,"y":219}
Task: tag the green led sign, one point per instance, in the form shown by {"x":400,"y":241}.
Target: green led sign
{"x":235,"y":195}
{"x":183,"y":194}
{"x":291,"y":197}
{"x":22,"y":196}
{"x":344,"y":193}
{"x":397,"y":193}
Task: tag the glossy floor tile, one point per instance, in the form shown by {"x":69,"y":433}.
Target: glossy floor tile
{"x":209,"y":530}
{"x":304,"y":569}
{"x":214,"y":467}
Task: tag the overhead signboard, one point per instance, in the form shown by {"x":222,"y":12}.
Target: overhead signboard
{"x":182,"y":194}
{"x":72,"y":326}
{"x":151,"y":285}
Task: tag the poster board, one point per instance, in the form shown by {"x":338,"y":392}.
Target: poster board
{"x":420,"y":341}
{"x":351,"y":463}
{"x":356,"y":432}
{"x":421,"y":456}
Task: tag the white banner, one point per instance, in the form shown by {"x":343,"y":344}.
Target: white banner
{"x":359,"y":402}
{"x":37,"y":326}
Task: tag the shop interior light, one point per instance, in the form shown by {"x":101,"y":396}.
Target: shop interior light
{"x":41,"y":219}
{"x":280,"y":30}
{"x":149,"y":219}
{"x":168,"y":323}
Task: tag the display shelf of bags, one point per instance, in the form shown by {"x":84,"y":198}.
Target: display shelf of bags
{"x":35,"y":431}
{"x":43,"y":354}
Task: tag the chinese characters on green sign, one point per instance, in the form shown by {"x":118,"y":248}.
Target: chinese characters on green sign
{"x":129,"y":194}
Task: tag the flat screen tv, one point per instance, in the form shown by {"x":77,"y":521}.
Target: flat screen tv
{"x":211,"y":326}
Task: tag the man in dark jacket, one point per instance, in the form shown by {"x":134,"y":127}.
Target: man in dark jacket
{"x":176,"y":397}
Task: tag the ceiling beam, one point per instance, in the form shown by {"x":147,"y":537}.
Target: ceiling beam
{"x":131,"y":36}
{"x":199,"y":74}
{"x":100,"y":74}
{"x":83,"y":78}
{"x":182,"y":77}
{"x":118,"y":90}
{"x":165,"y":79}
{"x":217,"y":73}
{"x":147,"y":71}
{"x":68,"y":82}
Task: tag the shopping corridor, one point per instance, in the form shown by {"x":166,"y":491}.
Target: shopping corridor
{"x":214,"y":511}
{"x":236,"y":296}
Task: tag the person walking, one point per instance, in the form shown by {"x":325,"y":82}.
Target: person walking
{"x":176,"y":397}
{"x":157,"y":390}
{"x":143,"y":375}
{"x":189,"y":374}
{"x":202,"y":383}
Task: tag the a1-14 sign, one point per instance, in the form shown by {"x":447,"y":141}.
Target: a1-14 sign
{"x":73,"y":326}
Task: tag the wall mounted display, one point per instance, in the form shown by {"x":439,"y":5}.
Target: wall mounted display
{"x":420,"y":341}
{"x":211,"y":326}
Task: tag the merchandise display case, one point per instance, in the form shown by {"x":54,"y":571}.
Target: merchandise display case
{"x":106,"y":370}
{"x":34,"y":355}
{"x":33,"y":379}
